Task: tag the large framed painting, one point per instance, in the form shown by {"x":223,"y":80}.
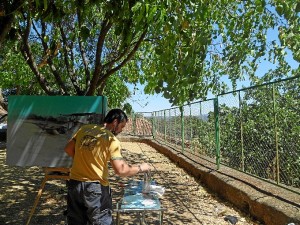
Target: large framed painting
{"x":40,"y":126}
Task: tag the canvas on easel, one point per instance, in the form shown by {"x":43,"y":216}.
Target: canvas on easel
{"x":40,"y":126}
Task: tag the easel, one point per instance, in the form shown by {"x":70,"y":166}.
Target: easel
{"x":50,"y":173}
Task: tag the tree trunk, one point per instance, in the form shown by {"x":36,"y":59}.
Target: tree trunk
{"x":3,"y":106}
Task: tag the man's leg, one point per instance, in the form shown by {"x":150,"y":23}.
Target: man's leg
{"x":99,"y":204}
{"x":76,"y":209}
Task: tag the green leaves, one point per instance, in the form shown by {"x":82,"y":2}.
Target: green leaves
{"x":84,"y":32}
{"x":14,"y":72}
{"x":189,"y":45}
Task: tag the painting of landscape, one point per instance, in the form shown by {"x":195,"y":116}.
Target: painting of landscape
{"x":40,"y":126}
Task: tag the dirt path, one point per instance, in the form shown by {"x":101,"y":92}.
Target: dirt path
{"x":186,"y":200}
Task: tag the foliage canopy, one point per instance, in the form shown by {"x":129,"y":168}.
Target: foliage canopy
{"x":182,"y":49}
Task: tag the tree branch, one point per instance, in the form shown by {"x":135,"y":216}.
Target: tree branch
{"x":70,"y":69}
{"x":28,"y":56}
{"x":48,"y":56}
{"x":83,"y":53}
{"x":127,"y":59}
{"x":106,"y":25}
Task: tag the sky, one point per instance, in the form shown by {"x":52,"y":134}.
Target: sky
{"x":141,"y":102}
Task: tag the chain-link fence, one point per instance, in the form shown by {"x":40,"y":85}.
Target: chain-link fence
{"x":260,"y":131}
{"x":255,"y":130}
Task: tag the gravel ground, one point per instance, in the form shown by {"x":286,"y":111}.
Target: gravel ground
{"x":186,"y":200}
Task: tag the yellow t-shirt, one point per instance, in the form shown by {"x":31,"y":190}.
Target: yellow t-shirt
{"x":95,"y":147}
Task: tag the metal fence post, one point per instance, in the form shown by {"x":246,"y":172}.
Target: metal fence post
{"x":174,"y":128}
{"x":241,"y":132}
{"x":276,"y":134}
{"x":165,"y":126}
{"x":153,"y":125}
{"x":191,"y":124}
{"x":170,"y":125}
{"x":134,"y":123}
{"x":182,"y":128}
{"x":217,"y":131}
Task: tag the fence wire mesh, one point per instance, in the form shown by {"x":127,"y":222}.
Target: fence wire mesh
{"x":256,"y":130}
{"x":259,"y":131}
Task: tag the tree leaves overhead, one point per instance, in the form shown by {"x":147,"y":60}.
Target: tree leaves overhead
{"x":182,"y":49}
{"x":204,"y":41}
{"x":73,"y":47}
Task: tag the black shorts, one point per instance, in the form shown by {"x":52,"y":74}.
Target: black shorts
{"x":89,"y":203}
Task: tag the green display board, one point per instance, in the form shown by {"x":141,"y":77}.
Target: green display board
{"x":40,"y":126}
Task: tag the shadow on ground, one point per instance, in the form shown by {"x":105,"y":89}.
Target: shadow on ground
{"x":186,"y":200}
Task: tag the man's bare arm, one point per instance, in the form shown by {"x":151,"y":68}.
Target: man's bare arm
{"x":123,"y":169}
